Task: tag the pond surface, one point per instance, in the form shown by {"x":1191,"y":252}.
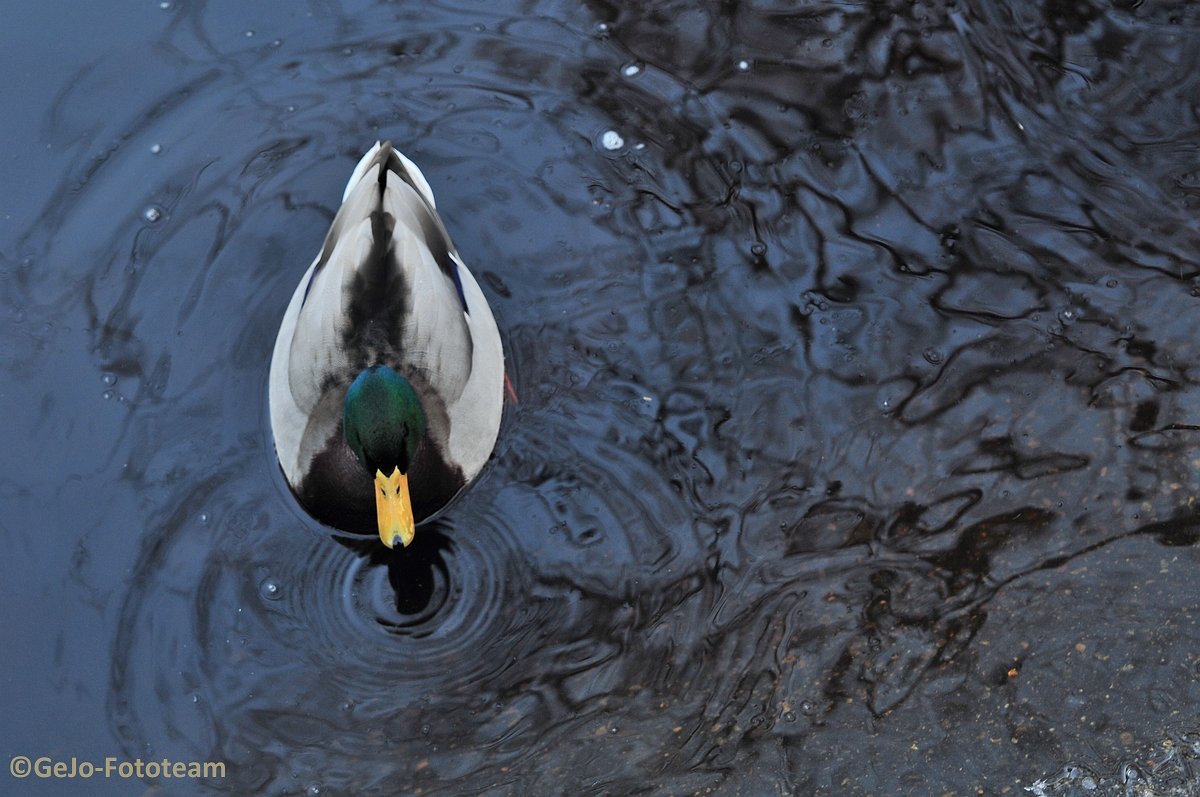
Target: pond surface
{"x":858,"y":435}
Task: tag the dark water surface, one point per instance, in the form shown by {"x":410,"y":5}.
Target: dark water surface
{"x":858,"y":437}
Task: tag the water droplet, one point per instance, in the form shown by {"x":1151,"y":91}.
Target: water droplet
{"x":249,"y":34}
{"x":270,"y":589}
{"x":602,"y":28}
{"x":932,"y":356}
{"x":611,"y":140}
{"x":743,"y":66}
{"x":1112,"y":283}
{"x":313,"y":789}
{"x":1068,"y":315}
{"x":107,"y":395}
{"x":478,"y":27}
{"x":458,"y":68}
{"x":152,"y":214}
{"x":155,"y":149}
{"x":277,"y":43}
{"x":347,"y":706}
{"x":165,"y":4}
{"x":758,"y":248}
{"x":195,"y":698}
{"x":203,"y":517}
{"x":789,"y":716}
{"x":109,"y":379}
{"x":632,"y":69}
{"x":425,"y":730}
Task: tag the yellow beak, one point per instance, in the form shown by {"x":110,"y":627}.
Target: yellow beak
{"x":393,"y":508}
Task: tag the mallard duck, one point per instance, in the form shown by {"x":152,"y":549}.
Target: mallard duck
{"x":387,"y":379}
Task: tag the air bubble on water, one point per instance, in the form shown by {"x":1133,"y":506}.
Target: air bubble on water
{"x":203,"y":517}
{"x":602,"y":28}
{"x":313,"y":789}
{"x":109,"y":380}
{"x":1068,"y":316}
{"x":249,"y":34}
{"x":152,"y":214}
{"x":632,"y":69}
{"x":743,"y":66}
{"x":155,"y":149}
{"x":107,"y":395}
{"x":932,"y":356}
{"x":611,"y":140}
{"x":165,"y":4}
{"x":270,"y":589}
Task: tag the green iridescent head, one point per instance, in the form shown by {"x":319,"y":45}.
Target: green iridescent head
{"x":384,"y":423}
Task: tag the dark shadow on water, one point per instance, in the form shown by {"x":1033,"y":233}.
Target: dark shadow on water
{"x":414,"y":572}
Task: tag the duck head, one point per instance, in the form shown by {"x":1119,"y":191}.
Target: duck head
{"x":383,"y":423}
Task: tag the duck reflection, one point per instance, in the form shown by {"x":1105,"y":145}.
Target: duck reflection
{"x":414,"y":572}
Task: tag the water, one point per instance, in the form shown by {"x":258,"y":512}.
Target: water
{"x":856,"y":443}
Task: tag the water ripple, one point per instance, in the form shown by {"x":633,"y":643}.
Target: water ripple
{"x":855,"y":356}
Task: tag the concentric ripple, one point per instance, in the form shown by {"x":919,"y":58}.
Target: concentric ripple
{"x":405,"y":622}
